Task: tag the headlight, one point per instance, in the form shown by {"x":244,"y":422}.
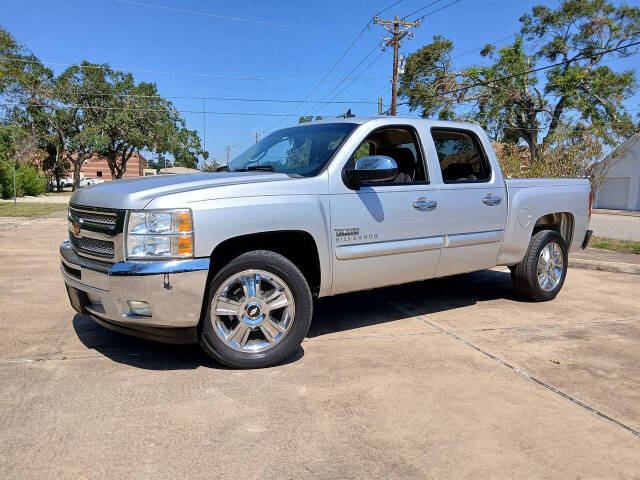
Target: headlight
{"x":167,"y":233}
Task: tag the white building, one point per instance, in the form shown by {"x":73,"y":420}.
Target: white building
{"x":621,"y":188}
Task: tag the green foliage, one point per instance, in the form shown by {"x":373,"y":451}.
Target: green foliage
{"x":615,"y":244}
{"x":298,"y":154}
{"x":569,"y":153}
{"x":308,"y":118}
{"x":28,"y":180}
{"x":581,"y":93}
{"x":428,"y":73}
{"x":211,"y":166}
{"x":90,"y":109}
{"x":362,"y":151}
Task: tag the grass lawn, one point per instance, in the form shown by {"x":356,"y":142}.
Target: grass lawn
{"x":30,"y":209}
{"x":627,"y":246}
{"x":58,"y":194}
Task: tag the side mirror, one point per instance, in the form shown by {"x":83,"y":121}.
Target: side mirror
{"x":374,"y":168}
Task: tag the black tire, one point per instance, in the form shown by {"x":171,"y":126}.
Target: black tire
{"x":283,"y":268}
{"x":524,"y":275}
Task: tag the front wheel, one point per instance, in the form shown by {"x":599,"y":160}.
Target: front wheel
{"x":258,"y":312}
{"x":542,"y":272}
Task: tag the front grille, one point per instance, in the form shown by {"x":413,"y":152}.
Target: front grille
{"x":84,"y":217}
{"x":93,"y":246}
{"x":97,"y":232}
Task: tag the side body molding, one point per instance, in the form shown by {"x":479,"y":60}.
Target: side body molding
{"x":364,"y":250}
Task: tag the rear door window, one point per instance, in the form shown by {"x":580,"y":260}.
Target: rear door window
{"x":462,"y":159}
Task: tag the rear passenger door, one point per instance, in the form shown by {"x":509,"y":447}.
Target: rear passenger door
{"x":473,"y":200}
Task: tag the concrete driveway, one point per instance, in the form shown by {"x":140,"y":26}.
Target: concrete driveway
{"x":625,"y":227}
{"x":451,"y":378}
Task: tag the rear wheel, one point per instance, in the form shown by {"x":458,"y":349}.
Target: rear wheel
{"x":259,"y":311}
{"x":542,"y":272}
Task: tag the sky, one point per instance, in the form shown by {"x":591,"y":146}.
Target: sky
{"x":258,"y":50}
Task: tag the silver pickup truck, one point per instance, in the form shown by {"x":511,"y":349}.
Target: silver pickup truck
{"x":234,"y":259}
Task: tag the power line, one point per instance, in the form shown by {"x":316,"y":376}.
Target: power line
{"x":206,"y":14}
{"x":184,"y":74}
{"x":188,"y":97}
{"x":322,"y":101}
{"x":534,"y":70}
{"x":488,"y":43}
{"x":344,"y":53}
{"x":398,"y":35}
{"x":419,"y":19}
{"x":349,"y":85}
{"x":135,"y":109}
{"x":420,"y":9}
{"x":454,"y":57}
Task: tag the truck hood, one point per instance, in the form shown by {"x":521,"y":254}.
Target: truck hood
{"x":136,"y":193}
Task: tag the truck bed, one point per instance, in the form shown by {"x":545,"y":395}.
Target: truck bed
{"x":530,"y":199}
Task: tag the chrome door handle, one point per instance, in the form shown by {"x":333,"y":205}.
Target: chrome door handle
{"x":491,"y":200}
{"x":424,"y":204}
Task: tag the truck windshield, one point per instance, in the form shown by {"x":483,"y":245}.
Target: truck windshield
{"x":301,"y":150}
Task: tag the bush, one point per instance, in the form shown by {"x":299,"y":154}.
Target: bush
{"x":6,"y":179}
{"x":28,"y":180}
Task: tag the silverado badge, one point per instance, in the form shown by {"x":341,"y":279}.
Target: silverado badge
{"x":76,"y":228}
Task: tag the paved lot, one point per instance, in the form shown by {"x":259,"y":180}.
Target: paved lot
{"x":452,"y":378}
{"x":625,"y":227}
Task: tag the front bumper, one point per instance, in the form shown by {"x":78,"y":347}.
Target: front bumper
{"x":174,"y":289}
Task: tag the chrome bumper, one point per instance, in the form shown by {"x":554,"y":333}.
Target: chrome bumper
{"x":174,"y":288}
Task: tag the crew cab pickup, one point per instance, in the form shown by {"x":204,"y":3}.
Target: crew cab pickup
{"x":235,"y":259}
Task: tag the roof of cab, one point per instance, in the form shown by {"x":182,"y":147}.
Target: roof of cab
{"x":393,"y":120}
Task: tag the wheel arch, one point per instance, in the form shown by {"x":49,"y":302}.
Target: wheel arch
{"x":299,"y":246}
{"x":561,"y":222}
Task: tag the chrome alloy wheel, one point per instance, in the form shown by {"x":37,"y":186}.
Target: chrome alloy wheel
{"x":550,"y":266}
{"x":252,"y":311}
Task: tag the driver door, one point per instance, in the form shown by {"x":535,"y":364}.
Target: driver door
{"x":387,"y":233}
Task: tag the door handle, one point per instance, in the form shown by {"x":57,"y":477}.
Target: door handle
{"x":491,"y":200}
{"x":424,"y":204}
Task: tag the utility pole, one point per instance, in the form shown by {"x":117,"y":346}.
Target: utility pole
{"x":379,"y":106}
{"x":399,"y":29}
{"x":204,"y":128}
{"x":257,"y":134}
{"x":228,"y":149}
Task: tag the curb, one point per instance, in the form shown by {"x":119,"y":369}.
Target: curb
{"x":625,"y":213}
{"x":616,"y":267}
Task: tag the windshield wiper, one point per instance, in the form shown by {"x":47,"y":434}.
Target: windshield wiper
{"x":260,"y":168}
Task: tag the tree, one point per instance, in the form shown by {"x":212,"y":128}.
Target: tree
{"x":122,"y":117}
{"x":90,"y":109}
{"x":308,"y":118}
{"x":211,"y":166}
{"x":581,"y":92}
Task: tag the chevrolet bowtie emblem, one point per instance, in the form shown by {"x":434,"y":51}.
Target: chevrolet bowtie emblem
{"x":76,"y":227}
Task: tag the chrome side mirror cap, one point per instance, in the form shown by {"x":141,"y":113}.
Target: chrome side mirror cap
{"x":371,"y":169}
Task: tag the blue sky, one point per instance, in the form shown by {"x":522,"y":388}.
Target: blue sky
{"x":281,"y":49}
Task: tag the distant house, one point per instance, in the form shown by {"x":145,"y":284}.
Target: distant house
{"x":620,"y":189}
{"x":97,"y":167}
